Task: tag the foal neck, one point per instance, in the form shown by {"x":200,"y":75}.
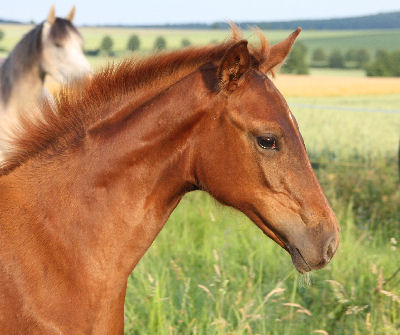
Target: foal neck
{"x":124,"y":180}
{"x":91,"y":213}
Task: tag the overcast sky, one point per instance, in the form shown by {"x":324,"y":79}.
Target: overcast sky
{"x":183,"y":11}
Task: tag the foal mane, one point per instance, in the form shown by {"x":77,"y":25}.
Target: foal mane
{"x":84,"y":106}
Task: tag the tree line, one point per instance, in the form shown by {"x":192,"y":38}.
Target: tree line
{"x":133,"y":44}
{"x":384,"y":63}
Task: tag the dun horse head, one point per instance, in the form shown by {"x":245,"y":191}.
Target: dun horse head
{"x":62,"y":48}
{"x":253,"y":158}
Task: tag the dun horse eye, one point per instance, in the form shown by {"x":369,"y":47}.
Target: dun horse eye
{"x":267,"y":142}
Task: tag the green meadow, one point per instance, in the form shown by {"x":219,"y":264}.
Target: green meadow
{"x":371,"y":40}
{"x":211,"y":271}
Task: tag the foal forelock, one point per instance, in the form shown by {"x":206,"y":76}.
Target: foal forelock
{"x":61,"y":29}
{"x":110,"y":95}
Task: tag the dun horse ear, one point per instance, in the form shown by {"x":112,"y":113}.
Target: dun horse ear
{"x":51,"y":18}
{"x":234,"y":64}
{"x":279,"y":51}
{"x":71,"y":14}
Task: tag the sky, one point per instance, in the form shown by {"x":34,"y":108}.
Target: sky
{"x":200,"y":11}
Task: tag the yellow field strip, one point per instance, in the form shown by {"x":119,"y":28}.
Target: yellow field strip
{"x":307,"y":86}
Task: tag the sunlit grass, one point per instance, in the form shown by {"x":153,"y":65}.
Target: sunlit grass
{"x":212,"y":272}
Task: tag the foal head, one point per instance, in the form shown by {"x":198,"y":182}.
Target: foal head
{"x":254,"y":158}
{"x":62,"y":48}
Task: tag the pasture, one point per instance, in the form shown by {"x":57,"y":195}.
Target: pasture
{"x":211,"y":271}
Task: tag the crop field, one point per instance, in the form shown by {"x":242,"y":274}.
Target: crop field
{"x":348,"y":39}
{"x":211,"y":271}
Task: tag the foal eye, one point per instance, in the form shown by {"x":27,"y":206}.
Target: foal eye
{"x":267,"y":142}
{"x":58,"y":45}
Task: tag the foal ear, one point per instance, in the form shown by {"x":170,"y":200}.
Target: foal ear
{"x":71,"y":14}
{"x":234,"y":64}
{"x":51,"y":17}
{"x":279,"y":51}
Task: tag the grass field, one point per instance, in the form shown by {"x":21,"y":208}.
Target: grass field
{"x":344,"y":40}
{"x":211,"y":271}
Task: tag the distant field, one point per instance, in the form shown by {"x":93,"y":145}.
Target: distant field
{"x":349,"y":133}
{"x":327,"y":85}
{"x":371,"y":40}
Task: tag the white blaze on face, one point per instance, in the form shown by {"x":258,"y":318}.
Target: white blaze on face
{"x":63,"y":60}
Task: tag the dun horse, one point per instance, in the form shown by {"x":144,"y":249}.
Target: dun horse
{"x":87,"y":188}
{"x":53,"y":47}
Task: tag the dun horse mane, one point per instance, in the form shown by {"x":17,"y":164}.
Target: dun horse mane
{"x":25,"y":53}
{"x":88,"y":105}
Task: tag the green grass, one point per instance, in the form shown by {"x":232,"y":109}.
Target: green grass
{"x":327,"y":39}
{"x":211,"y":271}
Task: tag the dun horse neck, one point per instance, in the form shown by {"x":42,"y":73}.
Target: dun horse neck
{"x":21,"y":74}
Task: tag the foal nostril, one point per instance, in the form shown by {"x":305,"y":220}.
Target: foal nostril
{"x":330,"y":250}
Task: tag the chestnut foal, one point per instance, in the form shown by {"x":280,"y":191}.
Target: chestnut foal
{"x":88,"y":185}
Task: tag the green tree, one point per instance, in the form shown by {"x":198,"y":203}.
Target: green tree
{"x":351,"y":55}
{"x":362,"y":58}
{"x":386,"y":64}
{"x":106,"y":44}
{"x":160,"y":43}
{"x":336,"y":59}
{"x":185,"y":43}
{"x":133,"y":43}
{"x":319,"y":55}
{"x":296,"y":62}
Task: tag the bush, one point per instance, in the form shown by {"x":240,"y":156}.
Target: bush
{"x":358,"y":58}
{"x":160,"y":43}
{"x":296,"y":62}
{"x":362,"y":58}
{"x":94,"y":52}
{"x":319,"y":55}
{"x":185,"y":43}
{"x":336,"y":59}
{"x":133,"y":43}
{"x":351,"y":55}
{"x":106,"y":44}
{"x":386,"y":64}
{"x":1,"y":34}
